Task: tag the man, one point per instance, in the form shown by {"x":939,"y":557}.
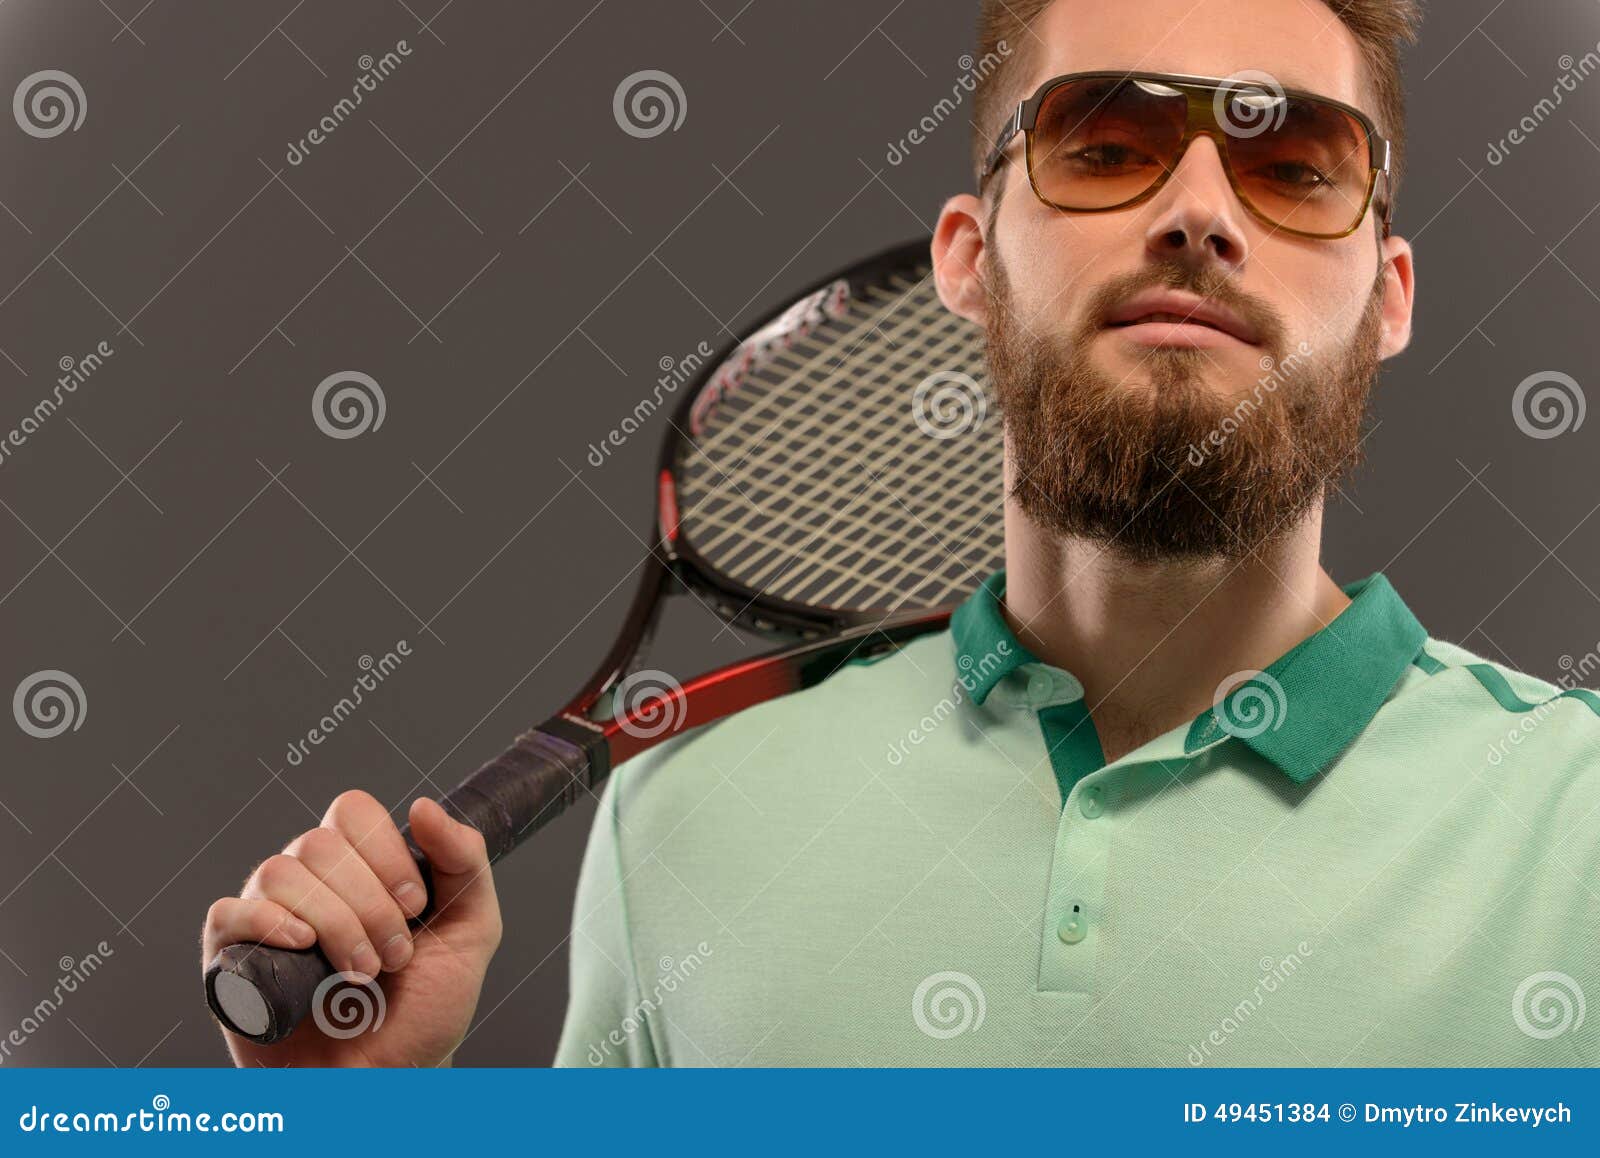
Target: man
{"x":1166,"y":793}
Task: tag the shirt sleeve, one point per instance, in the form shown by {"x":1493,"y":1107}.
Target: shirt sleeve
{"x":606,"y":1023}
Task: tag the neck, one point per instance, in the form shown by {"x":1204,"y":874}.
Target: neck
{"x":1152,"y":642}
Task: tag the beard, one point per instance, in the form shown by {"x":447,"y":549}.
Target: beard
{"x":1168,"y":465}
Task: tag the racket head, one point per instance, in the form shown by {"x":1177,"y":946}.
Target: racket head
{"x":842,"y":464}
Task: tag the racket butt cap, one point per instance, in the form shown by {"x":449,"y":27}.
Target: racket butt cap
{"x":262,"y":992}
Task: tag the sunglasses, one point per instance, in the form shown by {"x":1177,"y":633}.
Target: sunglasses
{"x":1301,"y":163}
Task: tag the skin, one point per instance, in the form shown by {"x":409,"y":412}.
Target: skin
{"x":350,"y":884}
{"x":1152,"y":642}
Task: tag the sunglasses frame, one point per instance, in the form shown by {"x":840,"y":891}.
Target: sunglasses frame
{"x":1201,"y":92}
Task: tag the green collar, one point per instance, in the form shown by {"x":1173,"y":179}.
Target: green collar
{"x":1300,"y":713}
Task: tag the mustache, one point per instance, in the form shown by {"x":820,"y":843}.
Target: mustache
{"x":1203,"y":281}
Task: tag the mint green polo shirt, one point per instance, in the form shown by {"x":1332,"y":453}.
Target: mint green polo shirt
{"x":1382,"y":850}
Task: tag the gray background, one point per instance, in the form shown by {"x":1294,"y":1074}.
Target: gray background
{"x":483,"y":239}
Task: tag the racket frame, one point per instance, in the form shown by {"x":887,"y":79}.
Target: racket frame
{"x":817,"y":642}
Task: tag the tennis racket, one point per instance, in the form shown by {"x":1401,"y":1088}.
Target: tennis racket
{"x":833,"y":480}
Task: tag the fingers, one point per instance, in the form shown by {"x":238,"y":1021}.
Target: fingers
{"x":234,"y":919}
{"x":463,"y":886}
{"x":286,"y":880}
{"x":334,"y":862}
{"x":366,"y":824}
{"x":351,"y":884}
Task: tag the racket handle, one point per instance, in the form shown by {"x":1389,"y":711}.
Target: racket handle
{"x":262,"y":992}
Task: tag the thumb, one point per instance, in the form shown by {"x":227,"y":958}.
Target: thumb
{"x":463,"y":886}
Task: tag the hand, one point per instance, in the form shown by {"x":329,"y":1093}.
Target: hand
{"x":349,"y":886}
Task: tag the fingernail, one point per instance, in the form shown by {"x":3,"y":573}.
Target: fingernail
{"x":365,"y":960}
{"x":397,"y":951}
{"x":411,"y":897}
{"x":299,"y":930}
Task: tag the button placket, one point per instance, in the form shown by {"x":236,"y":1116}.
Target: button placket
{"x":1069,"y":940}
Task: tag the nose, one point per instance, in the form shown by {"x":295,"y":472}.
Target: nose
{"x":1197,"y":218}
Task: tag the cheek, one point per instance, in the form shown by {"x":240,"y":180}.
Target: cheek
{"x":1055,"y":263}
{"x":1322,"y":295}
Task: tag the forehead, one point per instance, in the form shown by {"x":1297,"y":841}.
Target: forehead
{"x":1301,"y":43}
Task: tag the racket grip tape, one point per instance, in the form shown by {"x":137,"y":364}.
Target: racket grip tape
{"x":262,"y":992}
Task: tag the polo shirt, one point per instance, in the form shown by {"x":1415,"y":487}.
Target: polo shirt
{"x":1381,"y":850}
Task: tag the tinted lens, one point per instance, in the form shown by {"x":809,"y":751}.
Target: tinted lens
{"x":1101,"y":143}
{"x":1301,"y":164}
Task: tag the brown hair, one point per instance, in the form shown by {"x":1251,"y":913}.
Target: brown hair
{"x":1379,"y":26}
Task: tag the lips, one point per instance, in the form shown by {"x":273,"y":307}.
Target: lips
{"x":1181,"y":309}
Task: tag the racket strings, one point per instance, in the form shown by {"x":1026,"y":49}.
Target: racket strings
{"x":818,"y":482}
{"x":821,"y":345}
{"x":883,"y":509}
{"x":859,"y":531}
{"x":858,"y":428}
{"x":853,"y":425}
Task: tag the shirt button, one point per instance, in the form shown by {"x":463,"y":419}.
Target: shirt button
{"x":1091,"y":801}
{"x":1074,"y":927}
{"x":1040,"y":687}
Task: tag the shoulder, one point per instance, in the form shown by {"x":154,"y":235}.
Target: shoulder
{"x":1459,"y":698}
{"x":790,"y":763}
